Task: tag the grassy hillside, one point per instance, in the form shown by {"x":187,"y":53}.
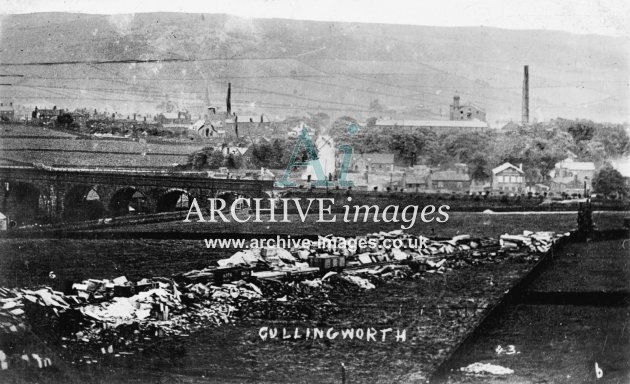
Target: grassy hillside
{"x":281,"y":67}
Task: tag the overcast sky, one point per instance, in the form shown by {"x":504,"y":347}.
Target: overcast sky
{"x":604,"y":17}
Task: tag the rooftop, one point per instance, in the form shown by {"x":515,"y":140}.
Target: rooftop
{"x":170,"y":115}
{"x":416,"y":179}
{"x":433,"y":123}
{"x":505,"y":166}
{"x":449,"y":175}
{"x":376,"y":158}
{"x":248,"y":119}
{"x":576,"y":165}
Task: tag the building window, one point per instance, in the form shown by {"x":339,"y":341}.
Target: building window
{"x":440,"y":184}
{"x":459,"y":185}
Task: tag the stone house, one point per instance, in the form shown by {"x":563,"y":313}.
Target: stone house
{"x":508,"y":178}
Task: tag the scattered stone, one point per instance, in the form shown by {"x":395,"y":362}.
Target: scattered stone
{"x":486,"y":368}
{"x":103,"y":316}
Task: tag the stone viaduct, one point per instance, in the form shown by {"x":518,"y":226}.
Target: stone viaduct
{"x":45,"y":194}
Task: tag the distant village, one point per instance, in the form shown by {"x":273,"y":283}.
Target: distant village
{"x":239,"y":135}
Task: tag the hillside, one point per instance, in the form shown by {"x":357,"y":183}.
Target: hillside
{"x":282,"y":67}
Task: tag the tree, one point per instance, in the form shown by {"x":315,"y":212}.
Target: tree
{"x":371,"y":142}
{"x":596,"y":151}
{"x":234,"y":161}
{"x":407,"y":147}
{"x":339,"y":130}
{"x":582,"y":130}
{"x":277,"y":149}
{"x":609,"y":181}
{"x":65,"y":120}
{"x":614,"y":138}
{"x":479,"y":167}
{"x":261,"y":154}
{"x":462,"y":146}
{"x":197,"y":160}
{"x":215,"y":160}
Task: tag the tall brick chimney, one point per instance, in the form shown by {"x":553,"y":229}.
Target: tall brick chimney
{"x":525,"y":112}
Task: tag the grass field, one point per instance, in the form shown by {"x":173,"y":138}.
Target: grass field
{"x":28,"y":261}
{"x":101,"y":160}
{"x":25,"y":131}
{"x":97,"y":145}
{"x":39,"y":145}
{"x":473,"y":223}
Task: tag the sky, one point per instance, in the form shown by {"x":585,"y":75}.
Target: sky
{"x":602,"y":17}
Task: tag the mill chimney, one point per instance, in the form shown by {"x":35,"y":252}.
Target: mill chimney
{"x":228,"y":101}
{"x":525,"y":112}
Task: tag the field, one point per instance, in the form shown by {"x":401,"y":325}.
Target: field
{"x":560,"y":341}
{"x":39,"y":145}
{"x":24,"y":131}
{"x":436,"y":310}
{"x":473,"y":223}
{"x":137,"y":251}
{"x":93,"y":160}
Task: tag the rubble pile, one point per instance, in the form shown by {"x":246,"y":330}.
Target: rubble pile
{"x":117,"y":317}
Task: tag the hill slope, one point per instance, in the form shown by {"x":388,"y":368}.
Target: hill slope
{"x":284,"y":67}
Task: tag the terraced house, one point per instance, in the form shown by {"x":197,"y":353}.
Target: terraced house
{"x":7,"y":113}
{"x":372,"y":162}
{"x":46,"y":115}
{"x":452,"y":180}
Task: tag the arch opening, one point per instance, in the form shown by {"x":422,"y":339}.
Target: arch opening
{"x":21,"y":203}
{"x":82,"y":202}
{"x":127,"y":201}
{"x":174,"y":200}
